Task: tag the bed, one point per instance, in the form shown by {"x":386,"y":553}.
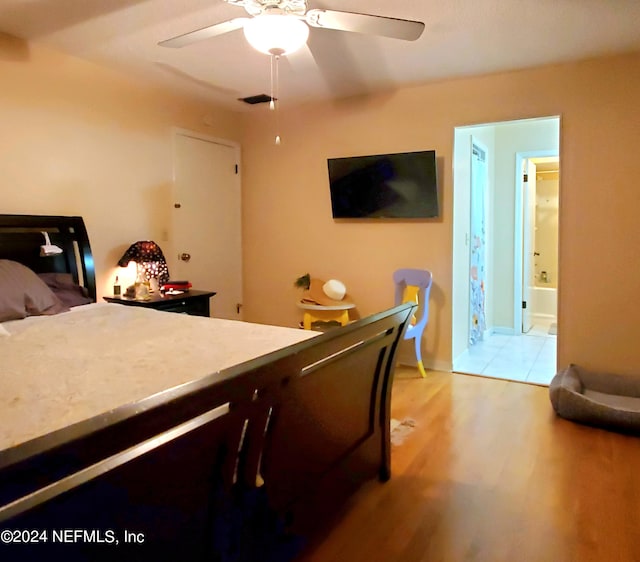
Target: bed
{"x":234,"y":445}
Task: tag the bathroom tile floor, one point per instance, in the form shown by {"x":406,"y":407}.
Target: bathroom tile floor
{"x":529,"y":357}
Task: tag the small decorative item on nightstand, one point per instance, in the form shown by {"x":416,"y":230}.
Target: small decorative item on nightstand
{"x":142,"y":287}
{"x":175,"y":287}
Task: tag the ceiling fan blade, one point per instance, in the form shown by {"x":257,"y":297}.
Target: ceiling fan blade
{"x":364,"y":23}
{"x":204,"y":33}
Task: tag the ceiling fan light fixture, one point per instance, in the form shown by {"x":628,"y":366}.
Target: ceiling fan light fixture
{"x":276,"y":34}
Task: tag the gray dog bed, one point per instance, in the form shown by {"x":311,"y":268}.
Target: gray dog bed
{"x":599,"y":399}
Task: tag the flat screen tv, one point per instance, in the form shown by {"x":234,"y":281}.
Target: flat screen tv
{"x":401,"y":185}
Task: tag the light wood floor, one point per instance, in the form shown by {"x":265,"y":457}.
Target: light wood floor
{"x":491,"y":474}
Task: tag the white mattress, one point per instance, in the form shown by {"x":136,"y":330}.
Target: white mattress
{"x":59,"y":370}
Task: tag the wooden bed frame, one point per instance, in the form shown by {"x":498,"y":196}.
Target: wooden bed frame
{"x":236,"y":466}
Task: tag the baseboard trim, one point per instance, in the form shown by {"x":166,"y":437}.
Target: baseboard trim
{"x":444,"y":366}
{"x":503,"y":331}
{"x":435,"y":365}
{"x":544,"y":316}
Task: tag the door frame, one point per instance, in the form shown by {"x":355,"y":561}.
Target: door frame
{"x":519,"y":209}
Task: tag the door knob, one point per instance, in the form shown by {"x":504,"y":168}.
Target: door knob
{"x":184,"y":256}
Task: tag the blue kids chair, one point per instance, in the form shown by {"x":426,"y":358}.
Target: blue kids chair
{"x":414,"y":285}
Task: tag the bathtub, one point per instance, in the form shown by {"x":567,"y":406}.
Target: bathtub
{"x":545,"y":302}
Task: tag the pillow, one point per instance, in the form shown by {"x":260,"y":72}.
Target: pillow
{"x":23,"y":294}
{"x":66,"y":289}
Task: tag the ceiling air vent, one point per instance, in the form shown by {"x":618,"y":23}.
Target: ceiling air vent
{"x":260,"y":98}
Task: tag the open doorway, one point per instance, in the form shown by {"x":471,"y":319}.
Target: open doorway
{"x":502,"y":350}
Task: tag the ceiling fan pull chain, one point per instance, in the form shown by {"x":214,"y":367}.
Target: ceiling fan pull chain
{"x":272,"y":104}
{"x":274,"y":93}
{"x":277,"y":99}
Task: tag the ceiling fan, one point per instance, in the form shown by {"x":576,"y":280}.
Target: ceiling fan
{"x":279,"y":27}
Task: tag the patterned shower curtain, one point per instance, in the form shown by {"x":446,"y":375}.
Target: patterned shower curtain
{"x":478,"y":242}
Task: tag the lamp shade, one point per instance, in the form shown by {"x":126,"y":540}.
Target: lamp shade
{"x":148,"y":255}
{"x":276,"y":34}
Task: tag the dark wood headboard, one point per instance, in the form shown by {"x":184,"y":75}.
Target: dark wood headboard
{"x":21,"y":237}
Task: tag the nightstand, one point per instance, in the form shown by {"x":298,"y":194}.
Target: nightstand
{"x":195,"y":303}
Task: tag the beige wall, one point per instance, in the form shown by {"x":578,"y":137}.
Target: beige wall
{"x":79,"y":139}
{"x":288,"y":228}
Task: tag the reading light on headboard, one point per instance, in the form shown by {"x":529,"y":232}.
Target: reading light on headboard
{"x":49,"y":249}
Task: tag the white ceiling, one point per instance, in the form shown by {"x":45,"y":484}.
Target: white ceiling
{"x":461,"y":38}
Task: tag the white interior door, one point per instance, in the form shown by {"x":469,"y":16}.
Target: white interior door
{"x":528,"y":242}
{"x":207,"y":220}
